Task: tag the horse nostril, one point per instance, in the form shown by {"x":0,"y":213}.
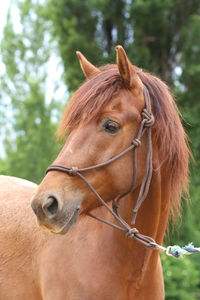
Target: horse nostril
{"x":50,"y":207}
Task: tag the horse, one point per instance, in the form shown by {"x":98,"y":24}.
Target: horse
{"x":125,"y":161}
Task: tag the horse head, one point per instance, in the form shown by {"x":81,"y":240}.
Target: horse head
{"x":102,"y":119}
{"x":108,"y":151}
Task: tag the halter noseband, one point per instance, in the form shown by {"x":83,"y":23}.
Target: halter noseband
{"x":145,"y":126}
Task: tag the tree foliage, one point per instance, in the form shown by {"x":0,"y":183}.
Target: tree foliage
{"x":30,"y":143}
{"x":181,"y":279}
{"x":153,"y":32}
{"x":33,"y":148}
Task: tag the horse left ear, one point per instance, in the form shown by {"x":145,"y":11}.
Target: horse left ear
{"x":88,"y":68}
{"x":126,"y":69}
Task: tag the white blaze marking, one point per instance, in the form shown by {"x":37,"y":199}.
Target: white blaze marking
{"x":69,"y":147}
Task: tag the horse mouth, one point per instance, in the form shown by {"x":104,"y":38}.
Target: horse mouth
{"x":63,"y":226}
{"x":70,"y":222}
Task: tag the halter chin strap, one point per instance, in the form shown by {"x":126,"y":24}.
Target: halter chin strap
{"x":145,"y":126}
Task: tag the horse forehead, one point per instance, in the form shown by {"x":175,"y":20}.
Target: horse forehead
{"x":126,"y":100}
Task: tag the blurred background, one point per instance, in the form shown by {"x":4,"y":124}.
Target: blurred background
{"x":39,"y":70}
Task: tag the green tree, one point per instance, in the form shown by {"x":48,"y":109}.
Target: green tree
{"x":181,"y":278}
{"x":34,"y":147}
{"x":151,"y":31}
{"x":30,"y":143}
{"x":92,"y":27}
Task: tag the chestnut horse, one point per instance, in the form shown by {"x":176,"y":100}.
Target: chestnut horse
{"x":98,"y":162}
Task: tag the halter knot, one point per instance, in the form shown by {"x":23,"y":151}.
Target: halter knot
{"x":148,"y":117}
{"x":115,"y":205}
{"x":132,"y":232}
{"x":73,"y":171}
{"x":136,"y":142}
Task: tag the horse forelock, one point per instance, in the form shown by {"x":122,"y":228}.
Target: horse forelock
{"x":168,"y":133}
{"x":90,"y":99}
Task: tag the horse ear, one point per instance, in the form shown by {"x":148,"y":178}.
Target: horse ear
{"x":86,"y":66}
{"x":126,"y":69}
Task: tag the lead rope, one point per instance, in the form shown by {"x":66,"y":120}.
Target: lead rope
{"x":146,"y":241}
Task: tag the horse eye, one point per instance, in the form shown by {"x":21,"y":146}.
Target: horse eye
{"x":111,"y":126}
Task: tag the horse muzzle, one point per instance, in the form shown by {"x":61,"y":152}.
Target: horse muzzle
{"x":53,"y":216}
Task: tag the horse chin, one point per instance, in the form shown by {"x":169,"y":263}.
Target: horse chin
{"x":62,"y":229}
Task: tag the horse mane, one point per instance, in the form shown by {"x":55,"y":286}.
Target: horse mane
{"x":167,"y":133}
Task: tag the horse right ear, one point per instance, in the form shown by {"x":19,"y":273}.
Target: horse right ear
{"x":126,"y":69}
{"x":88,"y":68}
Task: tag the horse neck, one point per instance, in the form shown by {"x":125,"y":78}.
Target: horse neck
{"x":153,"y":214}
{"x":151,"y":220}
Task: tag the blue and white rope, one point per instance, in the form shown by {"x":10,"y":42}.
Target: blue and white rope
{"x":178,"y":251}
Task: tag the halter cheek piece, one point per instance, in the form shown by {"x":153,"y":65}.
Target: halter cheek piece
{"x":145,"y":126}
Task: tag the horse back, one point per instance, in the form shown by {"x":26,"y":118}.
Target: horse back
{"x":18,"y":240}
